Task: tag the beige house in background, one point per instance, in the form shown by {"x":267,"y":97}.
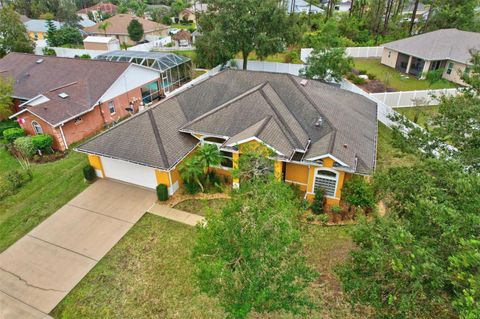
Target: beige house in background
{"x":118,"y":24}
{"x":447,"y":49}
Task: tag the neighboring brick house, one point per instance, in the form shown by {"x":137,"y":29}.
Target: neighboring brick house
{"x":117,"y":27}
{"x":319,"y":135}
{"x":96,"y":10}
{"x":72,"y":99}
{"x":445,"y":49}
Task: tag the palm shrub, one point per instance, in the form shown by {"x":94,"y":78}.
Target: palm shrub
{"x":318,"y":201}
{"x":162,"y":192}
{"x":191,"y":171}
{"x":208,"y":155}
{"x":25,"y":146}
{"x":89,"y":173}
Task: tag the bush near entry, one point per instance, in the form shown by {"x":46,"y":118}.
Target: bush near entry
{"x":12,"y":134}
{"x":89,"y":173}
{"x":162,"y":192}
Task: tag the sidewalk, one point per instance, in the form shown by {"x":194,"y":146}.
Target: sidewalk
{"x":176,"y":215}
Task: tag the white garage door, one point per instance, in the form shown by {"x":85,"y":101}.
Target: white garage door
{"x":129,"y":172}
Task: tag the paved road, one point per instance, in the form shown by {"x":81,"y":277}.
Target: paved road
{"x":40,"y":269}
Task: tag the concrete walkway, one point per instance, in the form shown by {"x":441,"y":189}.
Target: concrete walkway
{"x":176,"y":215}
{"x":40,"y":269}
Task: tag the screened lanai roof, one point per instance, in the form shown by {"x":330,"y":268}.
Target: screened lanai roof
{"x":157,"y":60}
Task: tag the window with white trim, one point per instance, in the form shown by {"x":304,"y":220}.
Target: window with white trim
{"x":327,"y":180}
{"x":37,"y":127}
{"x":111,"y":107}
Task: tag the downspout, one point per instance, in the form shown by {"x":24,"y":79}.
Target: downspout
{"x":170,"y":181}
{"x":63,"y":137}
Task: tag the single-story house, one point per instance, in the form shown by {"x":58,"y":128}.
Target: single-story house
{"x":101,"y":43}
{"x":72,"y":99}
{"x":37,"y":28}
{"x":446,"y":49}
{"x":118,"y":24}
{"x":189,"y":14}
{"x":97,"y":9}
{"x":182,"y":38}
{"x":319,"y":135}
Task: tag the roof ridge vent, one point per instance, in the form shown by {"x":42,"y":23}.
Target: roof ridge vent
{"x":39,"y":61}
{"x":304,"y":82}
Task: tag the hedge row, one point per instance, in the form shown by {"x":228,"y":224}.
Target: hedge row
{"x":12,"y":134}
{"x":29,"y":145}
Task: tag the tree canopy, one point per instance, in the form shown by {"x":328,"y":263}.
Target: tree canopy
{"x":244,"y":26}
{"x":13,"y":34}
{"x":249,"y":255}
{"x":6,"y":92}
{"x":135,"y":30}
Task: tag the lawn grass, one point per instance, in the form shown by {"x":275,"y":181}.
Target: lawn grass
{"x":149,"y":274}
{"x":387,"y":155}
{"x":52,"y":186}
{"x":396,"y":81}
{"x":201,"y":206}
{"x":423,"y":113}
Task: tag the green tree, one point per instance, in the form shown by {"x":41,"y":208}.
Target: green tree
{"x":104,"y":26}
{"x":67,"y":13}
{"x":244,"y":26}
{"x":209,"y":155}
{"x":51,"y":33}
{"x":191,"y":171}
{"x":135,"y":30}
{"x":13,"y":35}
{"x":6,"y":92}
{"x":458,"y":14}
{"x":406,"y":262}
{"x":250,"y":257}
{"x":68,"y":35}
{"x":327,"y":64}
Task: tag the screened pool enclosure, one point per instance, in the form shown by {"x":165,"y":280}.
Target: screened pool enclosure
{"x":174,"y":69}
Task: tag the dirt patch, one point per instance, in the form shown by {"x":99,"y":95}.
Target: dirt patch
{"x":376,"y":86}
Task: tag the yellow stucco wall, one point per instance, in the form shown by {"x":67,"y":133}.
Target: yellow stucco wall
{"x":39,"y":35}
{"x":297,"y":174}
{"x":162,"y":177}
{"x":96,"y":163}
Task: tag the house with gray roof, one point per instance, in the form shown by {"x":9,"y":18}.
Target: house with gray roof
{"x":446,"y":49}
{"x":317,"y":134}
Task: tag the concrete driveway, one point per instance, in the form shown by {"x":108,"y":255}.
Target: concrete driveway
{"x":40,"y":269}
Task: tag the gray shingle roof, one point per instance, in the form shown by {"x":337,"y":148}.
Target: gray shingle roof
{"x":451,"y":44}
{"x":275,"y":108}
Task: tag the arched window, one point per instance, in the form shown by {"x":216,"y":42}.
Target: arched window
{"x":37,"y":128}
{"x":326,"y":179}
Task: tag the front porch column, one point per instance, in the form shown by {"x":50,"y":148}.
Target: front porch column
{"x":278,"y":170}
{"x":235,"y":180}
{"x":409,"y":64}
{"x":426,"y":68}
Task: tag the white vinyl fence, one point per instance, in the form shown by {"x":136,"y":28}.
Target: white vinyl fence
{"x":71,"y":53}
{"x":274,"y":67}
{"x":354,"y":52}
{"x":153,"y":45}
{"x":413,"y":98}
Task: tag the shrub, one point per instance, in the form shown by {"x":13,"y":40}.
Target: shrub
{"x":89,"y":173}
{"x":291,"y":56}
{"x":310,"y":218}
{"x":162,"y":192}
{"x":371,"y":76}
{"x":4,"y":125}
{"x":358,"y":80}
{"x":336,"y":209}
{"x":12,"y":134}
{"x":85,"y":56}
{"x":191,"y":188}
{"x":362,"y":72}
{"x":49,"y":51}
{"x":25,"y":146}
{"x":358,"y":193}
{"x":318,"y":201}
{"x":42,"y":141}
{"x":17,"y":178}
{"x":323,"y":218}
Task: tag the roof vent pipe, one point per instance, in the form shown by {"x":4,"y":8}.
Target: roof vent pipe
{"x":319,"y":122}
{"x":39,"y":61}
{"x":303,"y":82}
